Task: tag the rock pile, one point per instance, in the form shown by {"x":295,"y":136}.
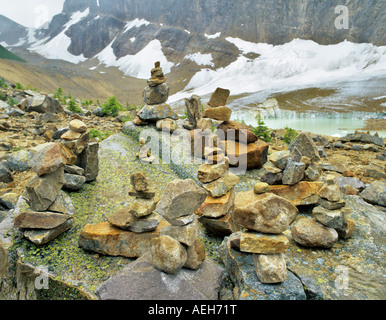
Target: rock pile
{"x":66,"y":165}
{"x":265,"y":216}
{"x":155,"y":96}
{"x":329,"y":220}
{"x":139,"y":217}
{"x":215,"y":213}
{"x":178,"y":245}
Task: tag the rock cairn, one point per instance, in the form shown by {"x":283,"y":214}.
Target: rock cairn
{"x":49,"y":211}
{"x":155,"y":96}
{"x":140,"y":216}
{"x":211,"y":126}
{"x":264,"y":217}
{"x":329,"y":220}
{"x":216,"y":211}
{"x":178,"y":244}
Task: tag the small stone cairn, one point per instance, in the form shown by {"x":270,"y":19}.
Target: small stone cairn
{"x":47,"y":211}
{"x":215,"y":213}
{"x":178,"y":244}
{"x":155,"y":96}
{"x":140,"y":216}
{"x":329,"y":220}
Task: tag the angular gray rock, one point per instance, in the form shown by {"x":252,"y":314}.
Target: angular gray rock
{"x":19,"y":160}
{"x":156,"y":112}
{"x":140,"y":280}
{"x":156,"y":95}
{"x":375,"y":193}
{"x":293,"y":173}
{"x":88,"y":160}
{"x":73,"y":182}
{"x":307,"y":147}
{"x":193,"y":107}
{"x":180,"y":198}
{"x":41,"y":192}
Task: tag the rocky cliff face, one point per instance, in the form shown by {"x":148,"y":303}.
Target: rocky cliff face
{"x":267,"y":21}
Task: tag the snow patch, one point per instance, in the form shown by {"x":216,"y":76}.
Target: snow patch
{"x":213,"y":36}
{"x":136,"y":23}
{"x":201,"y":59}
{"x":57,"y":48}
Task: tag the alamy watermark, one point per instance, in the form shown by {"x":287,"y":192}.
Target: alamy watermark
{"x":342,"y":280}
{"x":343,"y":20}
{"x":42,"y":280}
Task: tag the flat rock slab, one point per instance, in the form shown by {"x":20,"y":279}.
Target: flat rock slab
{"x":105,"y":239}
{"x":140,"y":280}
{"x":302,"y":193}
{"x":241,"y":269}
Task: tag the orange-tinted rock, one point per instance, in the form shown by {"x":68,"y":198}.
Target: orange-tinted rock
{"x":302,"y":193}
{"x":216,"y":207}
{"x":253,"y":155}
{"x":218,"y":113}
{"x":233,"y":130}
{"x":105,"y":239}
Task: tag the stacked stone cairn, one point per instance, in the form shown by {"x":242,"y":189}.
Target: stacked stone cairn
{"x":264,"y":217}
{"x":297,"y":163}
{"x":140,"y":216}
{"x":329,"y":220}
{"x":237,"y":141}
{"x":178,"y":245}
{"x":47,"y":211}
{"x":216,"y":211}
{"x":155,"y":96}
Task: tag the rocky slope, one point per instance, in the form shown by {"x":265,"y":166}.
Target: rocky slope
{"x":356,"y":161}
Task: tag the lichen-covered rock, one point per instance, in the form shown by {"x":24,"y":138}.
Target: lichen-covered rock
{"x":310,"y":233}
{"x":267,"y":213}
{"x":255,"y":242}
{"x":375,"y":193}
{"x":221,"y":186}
{"x":196,"y":255}
{"x":280,"y":158}
{"x":42,"y":191}
{"x":186,"y":235}
{"x":208,"y":173}
{"x":336,"y":219}
{"x":302,"y":193}
{"x":270,"y":268}
{"x":39,"y":220}
{"x":168,"y":255}
{"x":156,"y":95}
{"x":180,"y":198}
{"x":293,"y":173}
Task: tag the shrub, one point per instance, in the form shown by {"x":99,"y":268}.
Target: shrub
{"x":289,"y":135}
{"x":111,"y":107}
{"x":19,"y":86}
{"x":262,"y":131}
{"x":100,"y":135}
{"x":3,"y":83}
{"x":11,"y":101}
{"x":73,"y":107}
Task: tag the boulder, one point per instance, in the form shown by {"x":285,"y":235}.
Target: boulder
{"x":219,"y":97}
{"x":143,"y":207}
{"x":88,"y":160}
{"x":51,"y":158}
{"x":293,"y":173}
{"x":250,"y":156}
{"x":255,"y":242}
{"x":261,"y":187}
{"x":242,"y":271}
{"x":194,"y":110}
{"x":223,"y":226}
{"x":218,"y":113}
{"x":222,"y":186}
{"x":196,"y":255}
{"x":186,"y":235}
{"x":73,"y":182}
{"x":271,"y":175}
{"x":217,"y":207}
{"x":41,"y":192}
{"x":302,"y":193}
{"x":77,"y":126}
{"x":43,"y":104}
{"x":39,"y":220}
{"x":267,"y":212}
{"x":153,"y":113}
{"x":139,"y":182}
{"x":336,"y":219}
{"x":307,"y":147}
{"x":180,"y":198}
{"x":310,"y":233}
{"x":125,"y":220}
{"x":156,"y":95}
{"x":103,"y":238}
{"x":42,"y":237}
{"x":375,"y":193}
{"x":168,"y":255}
{"x":270,"y":268}
{"x":208,"y":173}
{"x":280,"y":158}
{"x":140,"y":280}
{"x":19,"y":160}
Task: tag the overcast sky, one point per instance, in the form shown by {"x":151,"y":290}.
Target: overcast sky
{"x":30,"y":13}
